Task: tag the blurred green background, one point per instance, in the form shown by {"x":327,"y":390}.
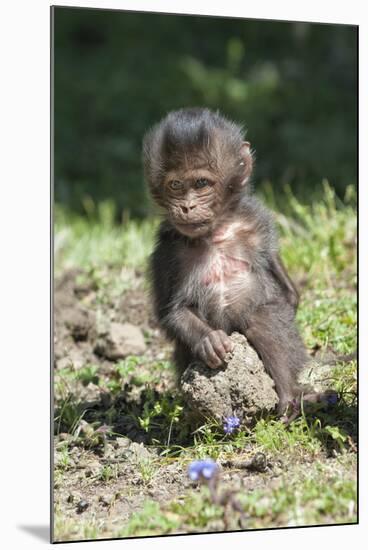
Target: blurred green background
{"x":293,"y":85}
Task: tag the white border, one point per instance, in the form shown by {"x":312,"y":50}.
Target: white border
{"x":24,"y":220}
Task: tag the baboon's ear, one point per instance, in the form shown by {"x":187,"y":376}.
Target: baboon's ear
{"x":245,"y":150}
{"x":246,"y":161}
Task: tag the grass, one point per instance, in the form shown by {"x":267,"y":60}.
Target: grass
{"x":315,"y":497}
{"x":96,"y":243}
{"x":313,"y":477}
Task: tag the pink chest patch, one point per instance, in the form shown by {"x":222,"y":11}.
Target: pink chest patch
{"x":223,"y":268}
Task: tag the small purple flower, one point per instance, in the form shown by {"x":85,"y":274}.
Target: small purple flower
{"x":231,"y":423}
{"x":332,"y":398}
{"x":205,"y":469}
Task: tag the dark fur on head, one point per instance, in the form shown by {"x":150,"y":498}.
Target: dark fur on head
{"x":192,"y":138}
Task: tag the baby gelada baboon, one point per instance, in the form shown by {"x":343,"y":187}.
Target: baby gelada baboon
{"x":216,"y":268}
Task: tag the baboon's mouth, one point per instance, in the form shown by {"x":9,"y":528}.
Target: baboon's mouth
{"x":192,"y":228}
{"x":201,"y":223}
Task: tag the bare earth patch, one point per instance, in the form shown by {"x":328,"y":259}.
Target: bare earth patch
{"x":120,"y":432}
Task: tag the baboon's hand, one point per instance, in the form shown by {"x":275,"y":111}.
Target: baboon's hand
{"x":212,"y":349}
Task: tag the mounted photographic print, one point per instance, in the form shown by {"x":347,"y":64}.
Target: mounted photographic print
{"x":205,"y":204}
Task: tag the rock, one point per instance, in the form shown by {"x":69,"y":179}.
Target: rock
{"x":122,"y":443}
{"x":242,"y":388}
{"x":79,"y":323}
{"x":136,"y":453}
{"x":63,"y":363}
{"x":72,"y":359}
{"x":119,"y":341}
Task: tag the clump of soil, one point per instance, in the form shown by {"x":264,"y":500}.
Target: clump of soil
{"x":88,"y":332}
{"x":242,"y":388}
{"x":118,"y":340}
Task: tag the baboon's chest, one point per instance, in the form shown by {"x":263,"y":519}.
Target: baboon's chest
{"x":223,"y":267}
{"x":219,"y":277}
{"x":220,"y":269}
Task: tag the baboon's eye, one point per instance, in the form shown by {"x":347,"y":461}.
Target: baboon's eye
{"x":202,"y":182}
{"x":176,"y":185}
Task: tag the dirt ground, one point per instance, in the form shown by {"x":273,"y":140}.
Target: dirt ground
{"x":106,"y":464}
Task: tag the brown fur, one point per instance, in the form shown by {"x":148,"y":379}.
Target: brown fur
{"x":215,"y":268}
